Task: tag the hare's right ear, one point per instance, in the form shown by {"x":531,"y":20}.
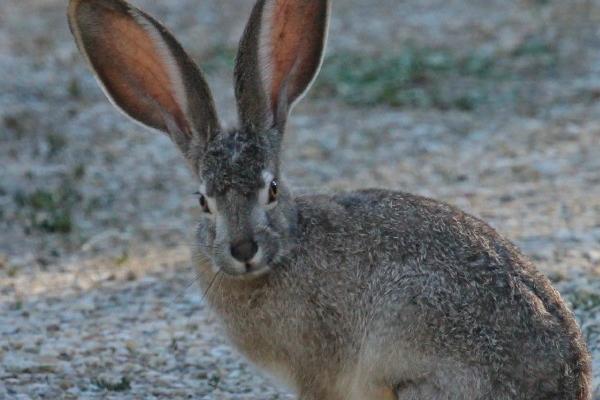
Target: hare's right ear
{"x":144,"y":71}
{"x":280,"y":55}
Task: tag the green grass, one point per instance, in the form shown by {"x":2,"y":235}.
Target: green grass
{"x":585,"y":300}
{"x":122,"y":259}
{"x":74,"y":89}
{"x":218,"y":59}
{"x":417,"y":77}
{"x":49,"y":210}
{"x":412,"y":78}
{"x":426,"y":78}
{"x":534,"y":46}
{"x":79,"y":171}
{"x":56,"y":144}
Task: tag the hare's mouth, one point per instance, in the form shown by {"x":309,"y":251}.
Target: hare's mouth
{"x":247,"y":271}
{"x":255,"y":267}
{"x":257,"y":271}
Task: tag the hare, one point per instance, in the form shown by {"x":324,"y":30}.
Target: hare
{"x":371,"y":294}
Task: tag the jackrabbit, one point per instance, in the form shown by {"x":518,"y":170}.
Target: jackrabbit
{"x":370,"y":294}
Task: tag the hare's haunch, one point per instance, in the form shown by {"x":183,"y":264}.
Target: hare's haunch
{"x":365,"y":295}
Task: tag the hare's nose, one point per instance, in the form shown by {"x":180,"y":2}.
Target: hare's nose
{"x":244,"y":250}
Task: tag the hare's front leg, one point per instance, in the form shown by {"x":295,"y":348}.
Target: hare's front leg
{"x":351,"y":393}
{"x":373,"y":393}
{"x":318,"y":395}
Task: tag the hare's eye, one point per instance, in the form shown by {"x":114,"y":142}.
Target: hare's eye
{"x":273,"y":191}
{"x":204,"y":204}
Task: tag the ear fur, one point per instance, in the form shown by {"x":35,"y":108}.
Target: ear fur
{"x":144,"y":71}
{"x":280,"y":55}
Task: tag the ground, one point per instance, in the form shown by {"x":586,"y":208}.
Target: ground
{"x":492,"y":106}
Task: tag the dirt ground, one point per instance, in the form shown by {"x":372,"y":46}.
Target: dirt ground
{"x":497,"y":112}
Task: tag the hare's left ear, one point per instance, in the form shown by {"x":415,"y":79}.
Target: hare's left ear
{"x":144,"y":71}
{"x":279,"y":57}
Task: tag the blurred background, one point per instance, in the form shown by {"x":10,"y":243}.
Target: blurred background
{"x":493,"y":106}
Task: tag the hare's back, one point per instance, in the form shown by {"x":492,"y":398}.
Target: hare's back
{"x":463,"y":289}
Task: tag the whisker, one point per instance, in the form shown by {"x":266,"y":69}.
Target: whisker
{"x":187,"y":287}
{"x":220,"y":281}
{"x":212,"y":281}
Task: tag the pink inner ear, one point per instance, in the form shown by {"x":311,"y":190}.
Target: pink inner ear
{"x":297,"y":41}
{"x":132,"y":68}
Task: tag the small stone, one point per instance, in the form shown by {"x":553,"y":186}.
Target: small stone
{"x":593,"y":256}
{"x":131,"y":346}
{"x":65,"y":384}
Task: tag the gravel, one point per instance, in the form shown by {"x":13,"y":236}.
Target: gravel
{"x":110,"y":309}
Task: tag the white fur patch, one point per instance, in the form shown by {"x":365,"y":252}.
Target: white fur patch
{"x":263,"y":194}
{"x":265,"y":50}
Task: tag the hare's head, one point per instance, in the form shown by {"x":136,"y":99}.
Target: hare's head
{"x":146,"y":73}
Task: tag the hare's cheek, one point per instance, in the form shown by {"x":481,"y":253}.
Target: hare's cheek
{"x":221,"y":229}
{"x":258,"y":218}
{"x":206,"y":233}
{"x":269,"y":242}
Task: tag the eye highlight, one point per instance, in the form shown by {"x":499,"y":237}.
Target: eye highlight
{"x":273,"y":191}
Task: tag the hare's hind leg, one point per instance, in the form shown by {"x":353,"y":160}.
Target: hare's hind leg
{"x":406,"y":390}
{"x":449,"y":381}
{"x":436,"y":380}
{"x":369,"y":392}
{"x":410,"y":390}
{"x":419,"y":389}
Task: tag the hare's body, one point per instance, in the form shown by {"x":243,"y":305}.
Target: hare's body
{"x":369,"y":295}
{"x":390,"y":291}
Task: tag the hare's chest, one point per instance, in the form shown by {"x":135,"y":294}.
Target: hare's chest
{"x":253,"y":324}
{"x":268,"y":333}
{"x":265,"y":346}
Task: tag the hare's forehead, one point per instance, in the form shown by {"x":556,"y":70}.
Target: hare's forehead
{"x":234,"y":161}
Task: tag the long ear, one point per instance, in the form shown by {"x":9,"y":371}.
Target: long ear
{"x":144,"y":71}
{"x":280,"y":54}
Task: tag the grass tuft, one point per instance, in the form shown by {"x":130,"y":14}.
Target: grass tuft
{"x":586,"y":300}
{"x":426,"y":78}
{"x":56,"y":143}
{"x":219,"y":58}
{"x":49,"y":210}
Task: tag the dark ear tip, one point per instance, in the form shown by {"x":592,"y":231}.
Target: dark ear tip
{"x":72,"y":8}
{"x":76,"y":7}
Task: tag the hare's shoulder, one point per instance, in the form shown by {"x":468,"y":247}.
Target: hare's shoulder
{"x":406,"y":232}
{"x":404,"y":229}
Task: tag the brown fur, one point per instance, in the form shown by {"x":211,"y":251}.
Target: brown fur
{"x":371,"y":294}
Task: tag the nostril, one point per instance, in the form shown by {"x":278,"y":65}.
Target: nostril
{"x":244,"y":250}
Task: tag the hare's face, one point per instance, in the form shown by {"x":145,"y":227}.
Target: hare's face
{"x":249,"y":214}
{"x":247,"y":210}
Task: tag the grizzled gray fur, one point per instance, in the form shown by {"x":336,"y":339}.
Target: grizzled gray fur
{"x":371,"y":294}
{"x":236,"y":159}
